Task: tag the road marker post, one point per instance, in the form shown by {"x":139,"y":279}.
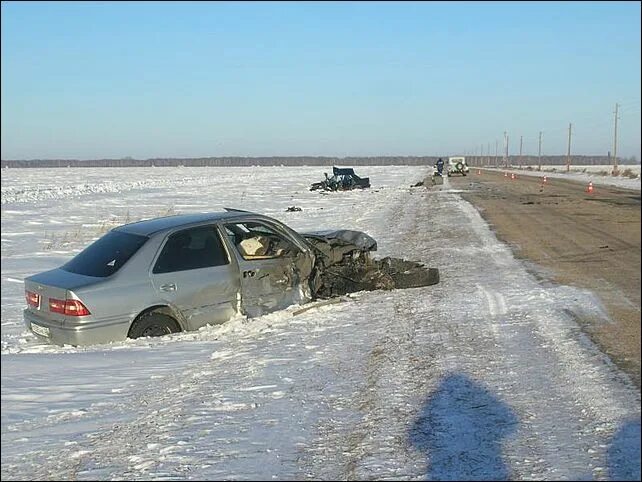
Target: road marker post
{"x":512,"y":176}
{"x":542,"y":184}
{"x":589,"y":188}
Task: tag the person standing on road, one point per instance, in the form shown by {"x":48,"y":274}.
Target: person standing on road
{"x":440,"y":166}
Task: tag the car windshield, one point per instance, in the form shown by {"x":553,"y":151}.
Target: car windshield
{"x":105,"y":256}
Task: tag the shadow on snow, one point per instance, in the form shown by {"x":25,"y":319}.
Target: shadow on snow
{"x":462,"y":426}
{"x":460,"y":429}
{"x":623,"y":456}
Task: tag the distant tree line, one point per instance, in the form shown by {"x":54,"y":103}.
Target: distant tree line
{"x":307,"y":161}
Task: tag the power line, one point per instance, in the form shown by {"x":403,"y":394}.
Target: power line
{"x":585,"y":126}
{"x":628,"y":103}
{"x":631,"y":111}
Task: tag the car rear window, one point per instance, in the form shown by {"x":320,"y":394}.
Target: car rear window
{"x":106,"y":255}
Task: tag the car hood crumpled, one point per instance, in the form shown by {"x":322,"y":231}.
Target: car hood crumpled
{"x":336,"y":243}
{"x":358,"y":239}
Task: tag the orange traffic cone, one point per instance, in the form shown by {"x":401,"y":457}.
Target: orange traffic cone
{"x":505,"y":174}
{"x":589,"y":188}
{"x":478,"y":172}
{"x":512,"y":176}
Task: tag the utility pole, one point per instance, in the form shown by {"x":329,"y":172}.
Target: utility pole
{"x":615,"y":173}
{"x":481,"y":155}
{"x":508,"y":164}
{"x":568,"y":152}
{"x":505,"y":150}
{"x":488,"y":155}
{"x":520,"y":151}
{"x":539,"y":152}
{"x":496,"y":157}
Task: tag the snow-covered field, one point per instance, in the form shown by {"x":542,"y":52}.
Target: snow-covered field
{"x":483,"y":376}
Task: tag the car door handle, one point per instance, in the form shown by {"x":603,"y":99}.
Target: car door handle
{"x":168,"y":287}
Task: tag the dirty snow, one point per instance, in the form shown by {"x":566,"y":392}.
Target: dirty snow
{"x":483,"y":376}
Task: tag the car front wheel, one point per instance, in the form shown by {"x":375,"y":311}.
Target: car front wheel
{"x":153,"y":324}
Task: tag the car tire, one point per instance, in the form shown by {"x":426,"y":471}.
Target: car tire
{"x":153,"y":324}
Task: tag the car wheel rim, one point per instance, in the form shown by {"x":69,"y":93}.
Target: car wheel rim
{"x":155,"y":330}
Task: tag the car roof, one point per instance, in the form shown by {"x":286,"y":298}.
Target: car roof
{"x":337,"y":171}
{"x":152,"y":226}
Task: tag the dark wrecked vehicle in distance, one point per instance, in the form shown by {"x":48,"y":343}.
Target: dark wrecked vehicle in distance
{"x":179,"y":273}
{"x":343,"y":179}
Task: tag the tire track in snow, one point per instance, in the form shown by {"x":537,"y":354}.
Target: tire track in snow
{"x":495,"y":302}
{"x":534,"y":361}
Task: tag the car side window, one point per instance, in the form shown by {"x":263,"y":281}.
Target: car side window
{"x":257,"y":241}
{"x":192,"y":248}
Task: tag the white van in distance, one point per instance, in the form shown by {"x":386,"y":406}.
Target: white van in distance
{"x":457,"y":165}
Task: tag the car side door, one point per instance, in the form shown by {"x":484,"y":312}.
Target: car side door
{"x":195,"y":274}
{"x":274,"y":270}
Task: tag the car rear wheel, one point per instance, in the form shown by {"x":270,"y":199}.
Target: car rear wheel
{"x":153,"y":324}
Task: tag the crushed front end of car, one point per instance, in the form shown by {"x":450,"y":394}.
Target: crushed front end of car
{"x":344,"y":265}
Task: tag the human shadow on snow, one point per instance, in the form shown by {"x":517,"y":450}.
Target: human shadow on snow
{"x":623,"y":455}
{"x":460,"y":429}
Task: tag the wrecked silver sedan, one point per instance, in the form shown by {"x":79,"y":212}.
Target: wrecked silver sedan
{"x":179,"y":273}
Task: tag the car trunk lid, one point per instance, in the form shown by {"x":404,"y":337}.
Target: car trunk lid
{"x":56,"y":285}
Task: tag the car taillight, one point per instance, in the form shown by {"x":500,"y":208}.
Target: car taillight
{"x":33,"y":299}
{"x":76,"y":308}
{"x":57,"y":306}
{"x":68,"y":307}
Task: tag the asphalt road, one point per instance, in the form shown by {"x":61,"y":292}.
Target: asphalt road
{"x":570,"y":236}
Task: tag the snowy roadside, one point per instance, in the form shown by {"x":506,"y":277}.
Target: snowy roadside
{"x":484,"y":375}
{"x":583,"y":174}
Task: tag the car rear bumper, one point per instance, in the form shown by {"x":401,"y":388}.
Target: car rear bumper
{"x":87,"y":334}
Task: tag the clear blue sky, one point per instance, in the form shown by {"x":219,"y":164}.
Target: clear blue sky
{"x":87,"y":80}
